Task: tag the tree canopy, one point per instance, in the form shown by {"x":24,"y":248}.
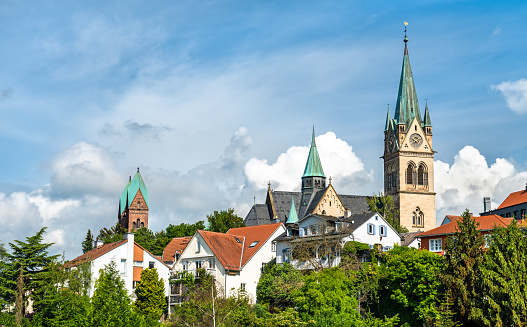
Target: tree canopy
{"x":222,"y":221}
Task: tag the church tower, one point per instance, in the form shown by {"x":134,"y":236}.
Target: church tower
{"x":313,"y":179}
{"x":133,"y":204}
{"x":409,"y":156}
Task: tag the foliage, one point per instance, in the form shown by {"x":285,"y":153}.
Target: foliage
{"x":504,"y":274}
{"x":277,"y":284}
{"x":183,"y":229}
{"x":152,"y":242}
{"x":462,"y":276}
{"x":31,"y":257}
{"x":384,"y":205}
{"x":87,"y":244}
{"x":287,"y":318}
{"x":111,"y":305}
{"x":409,"y":285}
{"x":224,"y":220}
{"x":111,"y":235}
{"x":150,"y":293}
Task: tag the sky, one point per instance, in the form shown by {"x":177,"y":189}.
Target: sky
{"x":214,"y":99}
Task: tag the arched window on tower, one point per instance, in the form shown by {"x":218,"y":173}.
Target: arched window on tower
{"x":411,"y":174}
{"x":422,"y":174}
{"x":138,"y":223}
{"x":133,"y":225}
{"x":142,"y":225}
{"x":418,"y":218}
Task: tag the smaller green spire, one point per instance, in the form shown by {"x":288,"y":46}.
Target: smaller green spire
{"x":293,"y":216}
{"x":313,"y":164}
{"x":387,"y":120}
{"x":427,"y":122}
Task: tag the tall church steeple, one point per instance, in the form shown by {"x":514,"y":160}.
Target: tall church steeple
{"x":409,"y":157}
{"x":133,"y":204}
{"x":313,"y":179}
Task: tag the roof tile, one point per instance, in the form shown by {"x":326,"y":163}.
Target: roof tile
{"x":514,"y":199}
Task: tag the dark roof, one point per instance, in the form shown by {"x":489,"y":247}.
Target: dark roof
{"x":357,"y":220}
{"x":315,"y":199}
{"x":260,"y":213}
{"x":407,"y":238}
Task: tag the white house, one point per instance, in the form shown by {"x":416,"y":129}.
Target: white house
{"x":369,"y":228}
{"x":235,"y":258}
{"x":130,"y":258}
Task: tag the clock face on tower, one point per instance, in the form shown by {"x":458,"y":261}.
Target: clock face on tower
{"x":416,"y":140}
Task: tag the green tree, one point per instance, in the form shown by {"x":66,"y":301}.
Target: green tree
{"x":150,"y":295}
{"x":462,"y":276}
{"x":277,"y":285}
{"x":111,"y":305}
{"x":222,"y":221}
{"x":111,"y":235}
{"x":384,"y":205}
{"x":505,"y":272}
{"x":409,"y":285}
{"x":183,"y":229}
{"x":153,"y":242}
{"x":87,"y":244}
{"x":32,"y":258}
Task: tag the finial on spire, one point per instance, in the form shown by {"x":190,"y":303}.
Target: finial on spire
{"x":329,"y":180}
{"x":405,"y":39}
{"x":269,"y":185}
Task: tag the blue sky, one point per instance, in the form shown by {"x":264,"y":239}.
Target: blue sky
{"x":215,"y":98}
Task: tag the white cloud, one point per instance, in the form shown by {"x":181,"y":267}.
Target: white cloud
{"x":338,"y":161}
{"x":54,"y":236}
{"x":470,"y":178}
{"x":515,"y":94}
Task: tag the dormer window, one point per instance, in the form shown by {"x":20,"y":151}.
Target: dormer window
{"x":238,"y":240}
{"x":253,"y":244}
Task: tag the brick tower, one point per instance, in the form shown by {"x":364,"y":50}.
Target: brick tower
{"x":133,"y":204}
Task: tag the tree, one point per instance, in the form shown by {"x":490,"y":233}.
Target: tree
{"x":87,"y":244}
{"x":222,"y":221}
{"x":111,"y":235}
{"x":153,"y":242}
{"x":384,"y":205}
{"x":409,"y":285}
{"x":150,"y":293}
{"x":183,"y":229}
{"x":29,"y":259}
{"x":111,"y":305}
{"x":505,"y":274}
{"x":462,"y":277}
{"x":277,"y":285}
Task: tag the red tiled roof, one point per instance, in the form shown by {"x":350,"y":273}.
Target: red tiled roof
{"x":485,"y":223}
{"x":252,"y":234}
{"x":178,"y":244}
{"x":138,"y":253}
{"x":95,"y":253}
{"x":514,"y":199}
{"x":228,"y":247}
{"x":139,"y":247}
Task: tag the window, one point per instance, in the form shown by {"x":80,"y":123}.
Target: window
{"x":253,"y":244}
{"x":242,"y":287}
{"x":418,"y":218}
{"x":198,"y":247}
{"x":134,"y":284}
{"x":273,"y":246}
{"x":151,"y":264}
{"x":382,"y":230}
{"x":138,"y":263}
{"x":142,"y":225}
{"x":522,"y":215}
{"x":488,"y":240}
{"x":436,"y":245}
{"x":411,"y":174}
{"x":371,"y":229}
{"x":422,"y":175}
{"x":138,"y":204}
{"x":198,"y":264}
{"x":123,"y":267}
{"x":133,"y":225}
{"x":185,"y":265}
{"x":238,"y":240}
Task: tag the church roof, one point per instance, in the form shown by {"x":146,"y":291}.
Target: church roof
{"x":292,"y":218}
{"x":427,"y":122}
{"x":313,"y":164}
{"x":134,"y":185}
{"x":387,"y":120}
{"x":407,"y":106}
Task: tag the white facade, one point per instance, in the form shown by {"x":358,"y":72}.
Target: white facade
{"x":123,"y":256}
{"x":371,"y":231}
{"x":198,"y":254}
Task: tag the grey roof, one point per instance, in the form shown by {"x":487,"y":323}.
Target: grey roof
{"x":407,"y":238}
{"x":260,"y":214}
{"x":355,"y":221}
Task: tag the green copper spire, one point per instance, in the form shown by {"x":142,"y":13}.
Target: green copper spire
{"x":387,"y":120}
{"x":427,"y":122}
{"x":407,"y":107}
{"x":131,"y":189}
{"x":293,"y":216}
{"x":313,"y":164}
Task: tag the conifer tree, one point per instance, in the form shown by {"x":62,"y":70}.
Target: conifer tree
{"x":87,"y":244}
{"x":150,"y":293}
{"x":462,"y":277}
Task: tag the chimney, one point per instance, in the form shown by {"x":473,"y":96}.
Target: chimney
{"x":525,"y":186}
{"x":486,"y":204}
{"x":471,"y":214}
{"x":129,"y":237}
{"x":97,"y":243}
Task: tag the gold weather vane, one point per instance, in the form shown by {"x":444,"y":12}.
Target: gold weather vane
{"x":405,"y":24}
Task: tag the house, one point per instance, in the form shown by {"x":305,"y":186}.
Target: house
{"x":514,"y":206}
{"x":410,"y":240}
{"x":235,"y":258}
{"x":318,"y":239}
{"x":174,"y":249}
{"x":130,"y":258}
{"x":434,"y":239}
